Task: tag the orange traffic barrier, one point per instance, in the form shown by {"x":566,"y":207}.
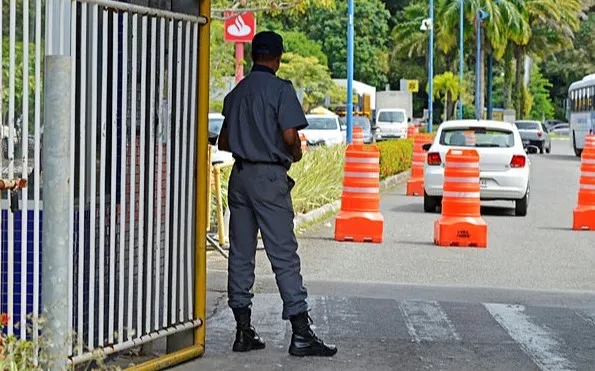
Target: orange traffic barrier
{"x":357,"y":136}
{"x":359,"y":219}
{"x":304,"y":142}
{"x":412,"y":130}
{"x":415,"y":184}
{"x":470,"y":139}
{"x":584,"y":213}
{"x":461,"y":223}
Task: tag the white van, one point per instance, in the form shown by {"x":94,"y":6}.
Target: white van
{"x":391,"y":123}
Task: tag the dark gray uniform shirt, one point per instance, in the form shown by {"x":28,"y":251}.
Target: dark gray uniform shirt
{"x":256,"y":112}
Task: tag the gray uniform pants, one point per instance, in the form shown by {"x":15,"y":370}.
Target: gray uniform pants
{"x":259,"y":198}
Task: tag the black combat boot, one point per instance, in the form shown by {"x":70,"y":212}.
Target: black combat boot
{"x":246,"y":337}
{"x":304,"y":342}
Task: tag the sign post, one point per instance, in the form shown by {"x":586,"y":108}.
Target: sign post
{"x":239,"y":29}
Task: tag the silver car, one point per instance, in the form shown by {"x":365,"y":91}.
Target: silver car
{"x":534,"y":136}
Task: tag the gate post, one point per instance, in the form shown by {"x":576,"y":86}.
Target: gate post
{"x":56,"y":249}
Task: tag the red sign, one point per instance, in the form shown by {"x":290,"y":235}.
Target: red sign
{"x":241,"y":28}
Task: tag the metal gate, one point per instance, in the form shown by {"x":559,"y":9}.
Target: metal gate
{"x":137,"y":175}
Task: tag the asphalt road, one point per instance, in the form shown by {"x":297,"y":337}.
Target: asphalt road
{"x":526,"y":302}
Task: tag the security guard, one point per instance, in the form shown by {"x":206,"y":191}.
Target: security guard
{"x":262,"y":119}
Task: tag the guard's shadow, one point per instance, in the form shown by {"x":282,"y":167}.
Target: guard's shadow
{"x":571,"y":158}
{"x":410,"y":208}
{"x":485,"y":210}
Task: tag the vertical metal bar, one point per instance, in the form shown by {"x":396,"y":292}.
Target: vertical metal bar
{"x":25,"y":169}
{"x":49,"y":24}
{"x":11,"y":137}
{"x":170,"y":68}
{"x":82,"y":167}
{"x":93,"y":177}
{"x":142,"y":159}
{"x":190,"y":231}
{"x":151,"y":194}
{"x":176,"y":231}
{"x":202,"y":174}
{"x":56,"y":150}
{"x":183,"y":184}
{"x":490,"y":87}
{"x":159,"y":171}
{"x":2,"y":247}
{"x":462,"y":55}
{"x":478,"y":69}
{"x":62,"y":25}
{"x":37,"y":184}
{"x":102,"y":176}
{"x":431,"y":75}
{"x":123,"y":161}
{"x":132,"y":211}
{"x":350,"y":32}
{"x":113,"y":190}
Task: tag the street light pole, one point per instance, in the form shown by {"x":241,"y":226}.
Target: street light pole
{"x":481,"y":15}
{"x":462,"y":57}
{"x":431,"y":70}
{"x":490,"y":86}
{"x":349,"y":107}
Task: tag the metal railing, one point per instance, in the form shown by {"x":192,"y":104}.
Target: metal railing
{"x":135,"y":191}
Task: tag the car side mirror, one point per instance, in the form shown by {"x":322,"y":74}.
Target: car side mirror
{"x":408,"y":119}
{"x":426,"y":147}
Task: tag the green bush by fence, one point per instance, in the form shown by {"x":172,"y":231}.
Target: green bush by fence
{"x":319,"y":176}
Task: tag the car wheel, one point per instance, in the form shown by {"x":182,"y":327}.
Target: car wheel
{"x":430,"y":203}
{"x":522,"y":205}
{"x":548,"y":149}
{"x":542,"y":148}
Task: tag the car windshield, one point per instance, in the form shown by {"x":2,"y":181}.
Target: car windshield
{"x":359,"y":121}
{"x":477,"y":137}
{"x":321,"y":123}
{"x":215,"y":126}
{"x":527,"y":125}
{"x":391,"y":116}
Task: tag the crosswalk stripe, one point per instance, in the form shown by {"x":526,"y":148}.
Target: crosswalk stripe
{"x":426,"y":321}
{"x":536,"y":341}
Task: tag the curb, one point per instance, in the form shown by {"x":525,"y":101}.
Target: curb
{"x":335,"y":206}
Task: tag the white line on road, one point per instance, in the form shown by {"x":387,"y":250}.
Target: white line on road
{"x":537,"y":342}
{"x":426,"y":321}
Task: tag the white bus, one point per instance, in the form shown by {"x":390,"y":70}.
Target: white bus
{"x":581,"y":108}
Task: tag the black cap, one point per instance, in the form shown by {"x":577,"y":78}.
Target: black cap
{"x":267,"y":42}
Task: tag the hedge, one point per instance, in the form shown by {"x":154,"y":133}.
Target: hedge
{"x":319,"y":175}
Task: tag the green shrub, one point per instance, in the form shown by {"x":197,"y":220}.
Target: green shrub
{"x":395,"y":156}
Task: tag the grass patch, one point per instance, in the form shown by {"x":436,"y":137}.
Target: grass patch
{"x":319,"y":175}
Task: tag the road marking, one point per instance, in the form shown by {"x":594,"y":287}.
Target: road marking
{"x":426,"y":321}
{"x":537,"y":342}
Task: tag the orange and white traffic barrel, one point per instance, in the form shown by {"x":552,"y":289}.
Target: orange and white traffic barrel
{"x":461,"y":223}
{"x":584,"y":213}
{"x":304,"y":142}
{"x":415,"y":184}
{"x":357,"y":136}
{"x":360,"y":219}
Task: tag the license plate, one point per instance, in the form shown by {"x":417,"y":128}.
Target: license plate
{"x":483,"y":183}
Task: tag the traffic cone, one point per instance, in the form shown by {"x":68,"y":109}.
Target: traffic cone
{"x":304,"y":142}
{"x":412,"y":131}
{"x":461,"y":223}
{"x":359,"y":219}
{"x":357,"y":137}
{"x":415,"y":184}
{"x":584,"y":213}
{"x":470,"y":139}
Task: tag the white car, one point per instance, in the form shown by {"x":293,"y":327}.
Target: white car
{"x":217,"y":156}
{"x":503,"y":163}
{"x":391,"y":123}
{"x":323,"y":130}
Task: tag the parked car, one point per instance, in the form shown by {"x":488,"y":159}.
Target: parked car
{"x":549,"y":124}
{"x":323,"y":130}
{"x":364,"y":123}
{"x":504,"y":165}
{"x":217,"y":156}
{"x":534,"y":135}
{"x":561,"y":129}
{"x":391,"y":123}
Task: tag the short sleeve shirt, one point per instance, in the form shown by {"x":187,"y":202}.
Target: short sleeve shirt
{"x":256,"y":112}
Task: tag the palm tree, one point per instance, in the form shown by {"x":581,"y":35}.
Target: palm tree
{"x":446,"y":86}
{"x":504,"y":20}
{"x":550,"y":27}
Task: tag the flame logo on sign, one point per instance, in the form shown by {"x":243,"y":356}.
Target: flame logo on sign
{"x":239,"y":28}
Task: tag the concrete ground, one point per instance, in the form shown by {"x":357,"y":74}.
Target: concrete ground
{"x":526,"y":302}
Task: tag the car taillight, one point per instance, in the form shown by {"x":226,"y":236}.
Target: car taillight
{"x":518,"y":161}
{"x":539,"y":134}
{"x":434,"y":159}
